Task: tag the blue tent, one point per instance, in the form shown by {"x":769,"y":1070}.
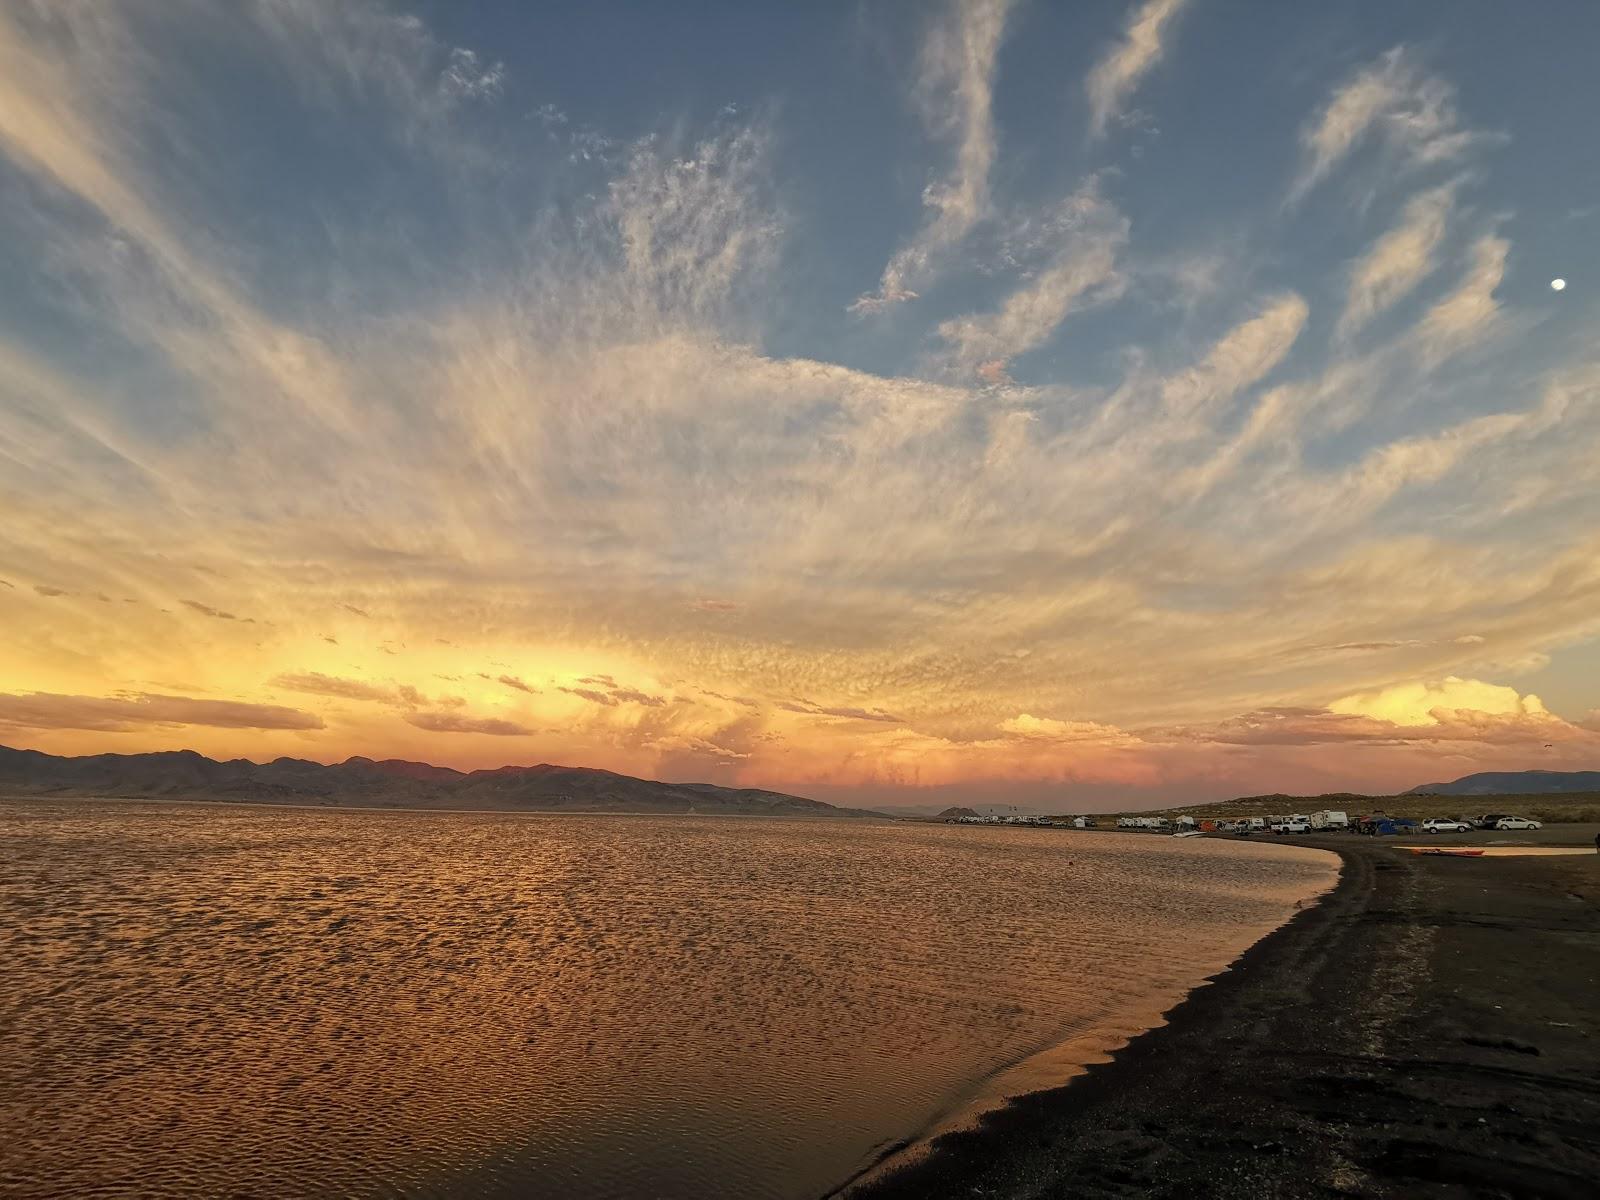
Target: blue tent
{"x":1395,"y":825}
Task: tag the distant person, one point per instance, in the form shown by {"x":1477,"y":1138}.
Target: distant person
{"x":1597,"y":843}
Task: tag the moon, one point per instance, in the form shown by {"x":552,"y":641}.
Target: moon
{"x":1557,"y":285}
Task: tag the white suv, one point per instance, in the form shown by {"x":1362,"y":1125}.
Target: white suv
{"x":1444,"y":825}
{"x":1517,"y":823}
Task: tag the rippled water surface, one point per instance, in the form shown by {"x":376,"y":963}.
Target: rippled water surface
{"x":200,"y":1000}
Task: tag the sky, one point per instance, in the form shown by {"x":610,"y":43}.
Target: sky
{"x":892,"y":403}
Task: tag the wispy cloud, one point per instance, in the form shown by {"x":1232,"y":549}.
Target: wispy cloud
{"x":1410,"y":113}
{"x":1082,"y":269}
{"x":215,"y":613}
{"x":956,"y":91}
{"x":318,"y":684}
{"x":691,"y":224}
{"x":590,"y":694}
{"x":437,"y":722}
{"x":315,"y":683}
{"x":1470,"y":312}
{"x":607,"y":693}
{"x":1243,"y":356}
{"x":743,"y":701}
{"x":1114,"y":77}
{"x":698,"y":747}
{"x":843,"y":712}
{"x":1399,"y":260}
{"x":367,"y":52}
{"x":466,"y":78}
{"x":634,"y":696}
{"x":1050,"y":729}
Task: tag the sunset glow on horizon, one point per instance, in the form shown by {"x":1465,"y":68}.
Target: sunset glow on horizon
{"x":886,"y":406}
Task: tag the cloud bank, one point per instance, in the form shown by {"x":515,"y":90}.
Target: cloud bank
{"x":572,"y":425}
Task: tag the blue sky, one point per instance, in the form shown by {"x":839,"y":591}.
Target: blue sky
{"x":888,"y":400}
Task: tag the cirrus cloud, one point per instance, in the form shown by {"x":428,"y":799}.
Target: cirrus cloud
{"x":1115,"y":76}
{"x":956,"y":89}
{"x":1412,"y":115}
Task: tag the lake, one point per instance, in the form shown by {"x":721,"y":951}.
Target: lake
{"x":199,"y":1000}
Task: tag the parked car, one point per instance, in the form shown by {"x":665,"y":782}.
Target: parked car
{"x":1489,"y":820}
{"x":1517,"y":823}
{"x":1444,"y":825}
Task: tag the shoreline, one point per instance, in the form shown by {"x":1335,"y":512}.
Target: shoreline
{"x":1055,"y":1067}
{"x":1429,"y":1023}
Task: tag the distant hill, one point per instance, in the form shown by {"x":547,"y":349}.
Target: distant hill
{"x":393,"y":783}
{"x":1549,"y":807}
{"x":1513,"y":783}
{"x":950,"y":814}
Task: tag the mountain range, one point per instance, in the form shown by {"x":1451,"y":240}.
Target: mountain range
{"x":391,"y":783}
{"x":1513,"y":783}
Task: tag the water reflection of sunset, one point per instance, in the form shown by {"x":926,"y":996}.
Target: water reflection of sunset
{"x":205,"y":1000}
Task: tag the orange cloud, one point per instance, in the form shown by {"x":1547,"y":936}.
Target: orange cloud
{"x":119,"y":714}
{"x":436,"y":722}
{"x":1048,"y":729}
{"x":1423,"y":702}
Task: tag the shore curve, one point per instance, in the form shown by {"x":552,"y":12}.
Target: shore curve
{"x":1428,"y":1025}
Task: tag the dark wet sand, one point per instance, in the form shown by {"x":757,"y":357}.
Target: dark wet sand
{"x":1431,"y":1028}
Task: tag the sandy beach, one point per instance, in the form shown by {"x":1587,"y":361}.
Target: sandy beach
{"x":1429,"y":1028}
